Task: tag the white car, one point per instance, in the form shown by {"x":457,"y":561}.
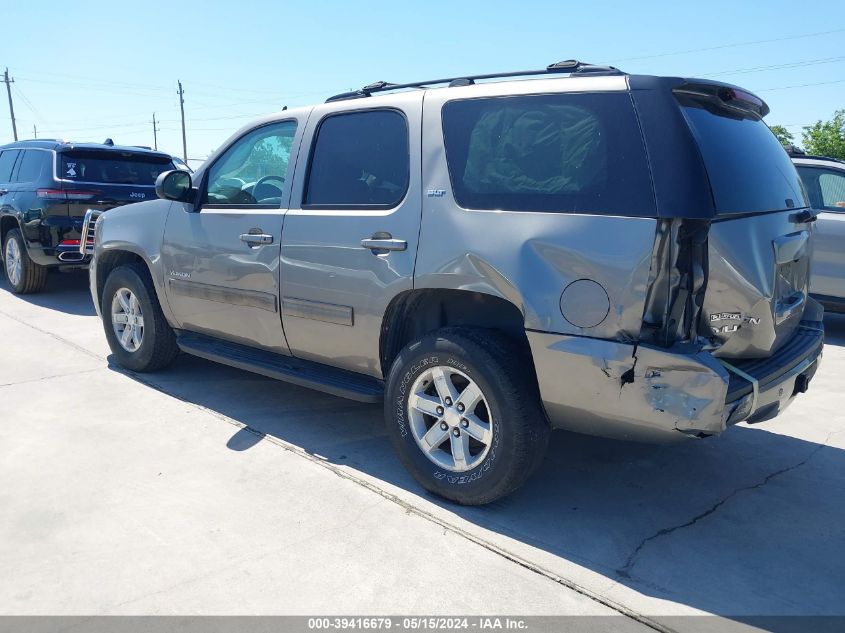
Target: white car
{"x":824,"y":179}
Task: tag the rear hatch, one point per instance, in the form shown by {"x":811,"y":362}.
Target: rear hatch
{"x":759,"y":240}
{"x":99,"y":178}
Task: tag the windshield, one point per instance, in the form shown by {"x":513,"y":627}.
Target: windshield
{"x":112,"y":168}
{"x":748,"y":168}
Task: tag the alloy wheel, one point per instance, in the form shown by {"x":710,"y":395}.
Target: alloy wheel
{"x":14,"y":262}
{"x":127,"y":319}
{"x":450,"y":419}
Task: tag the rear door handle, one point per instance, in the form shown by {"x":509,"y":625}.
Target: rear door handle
{"x":256,"y":238}
{"x":384,"y":244}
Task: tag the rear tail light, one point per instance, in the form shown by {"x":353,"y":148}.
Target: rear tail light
{"x":66,"y":194}
{"x":69,"y":243}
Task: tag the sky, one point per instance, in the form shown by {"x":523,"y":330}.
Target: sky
{"x":86,"y":70}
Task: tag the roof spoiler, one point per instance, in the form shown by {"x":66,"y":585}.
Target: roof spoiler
{"x":732,"y":97}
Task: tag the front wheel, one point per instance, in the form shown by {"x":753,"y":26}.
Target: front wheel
{"x":135,"y":327}
{"x":24,"y":275}
{"x":463,"y":411}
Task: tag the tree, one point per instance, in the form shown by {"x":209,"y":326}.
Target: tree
{"x":826,"y":138}
{"x":783,"y":135}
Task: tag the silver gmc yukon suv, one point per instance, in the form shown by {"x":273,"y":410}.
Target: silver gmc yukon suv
{"x":613,"y":254}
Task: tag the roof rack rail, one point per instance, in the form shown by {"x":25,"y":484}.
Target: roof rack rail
{"x":570,"y":66}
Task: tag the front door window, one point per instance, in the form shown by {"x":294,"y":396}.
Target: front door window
{"x":252,"y":172}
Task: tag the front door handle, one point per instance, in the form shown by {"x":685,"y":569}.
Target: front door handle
{"x":256,"y":238}
{"x":384,"y":244}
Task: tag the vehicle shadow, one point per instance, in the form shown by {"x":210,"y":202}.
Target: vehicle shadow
{"x":66,"y":291}
{"x":834,"y":329}
{"x":746,"y":524}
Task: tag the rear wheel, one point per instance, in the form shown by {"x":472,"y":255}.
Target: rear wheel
{"x":135,"y":327}
{"x":24,"y":275}
{"x":463,"y":411}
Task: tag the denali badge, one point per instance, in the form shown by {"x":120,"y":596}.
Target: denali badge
{"x":731,"y":316}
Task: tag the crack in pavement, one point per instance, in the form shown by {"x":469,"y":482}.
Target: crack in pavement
{"x":51,"y":377}
{"x":625,"y":570}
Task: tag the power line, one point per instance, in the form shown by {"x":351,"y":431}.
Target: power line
{"x":801,"y":64}
{"x":35,"y":112}
{"x":736,"y":45}
{"x":817,"y":83}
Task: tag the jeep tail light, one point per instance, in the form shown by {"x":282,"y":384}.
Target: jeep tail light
{"x":69,"y":243}
{"x":66,"y":194}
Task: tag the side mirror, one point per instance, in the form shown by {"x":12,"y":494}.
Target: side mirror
{"x":174,"y":185}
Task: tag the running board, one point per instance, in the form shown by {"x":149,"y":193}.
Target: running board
{"x":304,"y":373}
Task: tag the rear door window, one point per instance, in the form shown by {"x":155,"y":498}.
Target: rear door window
{"x":749,"y":170}
{"x":114,"y":168}
{"x":561,"y":153}
{"x":7,"y":162}
{"x":359,"y":160}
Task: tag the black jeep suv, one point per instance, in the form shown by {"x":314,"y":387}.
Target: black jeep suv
{"x":45,"y":188}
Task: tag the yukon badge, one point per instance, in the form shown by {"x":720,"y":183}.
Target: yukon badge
{"x":179,"y":274}
{"x":736,"y":320}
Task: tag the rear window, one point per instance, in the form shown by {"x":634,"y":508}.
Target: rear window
{"x":748,"y":168}
{"x":112,"y":168}
{"x":562,"y":153}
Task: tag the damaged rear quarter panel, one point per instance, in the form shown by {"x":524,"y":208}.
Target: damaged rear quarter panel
{"x":636,"y":393}
{"x":529,"y":258}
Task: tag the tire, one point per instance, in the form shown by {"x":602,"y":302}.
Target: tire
{"x":508,"y":419}
{"x":23,"y":274}
{"x":154,"y":342}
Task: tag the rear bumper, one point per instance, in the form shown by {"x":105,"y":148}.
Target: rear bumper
{"x":646,"y":393}
{"x":61,"y":255}
{"x":53,"y":240}
{"x":760,"y":389}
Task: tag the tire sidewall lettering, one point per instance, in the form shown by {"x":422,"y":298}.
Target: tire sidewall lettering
{"x":400,"y":415}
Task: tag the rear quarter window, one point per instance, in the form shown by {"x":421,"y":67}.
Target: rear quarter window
{"x":31,"y":166}
{"x":561,"y":153}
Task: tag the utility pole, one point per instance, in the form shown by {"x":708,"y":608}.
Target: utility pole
{"x":155,"y":129}
{"x":35,"y":131}
{"x":9,"y":83}
{"x":182,"y":108}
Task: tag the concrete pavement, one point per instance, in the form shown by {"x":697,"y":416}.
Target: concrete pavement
{"x":203,"y":489}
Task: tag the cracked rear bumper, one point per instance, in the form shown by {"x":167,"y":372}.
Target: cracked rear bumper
{"x":645,"y":393}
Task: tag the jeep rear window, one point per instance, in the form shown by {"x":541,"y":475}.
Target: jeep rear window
{"x":112,"y":168}
{"x":564,"y":153}
{"x":749,"y":170}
